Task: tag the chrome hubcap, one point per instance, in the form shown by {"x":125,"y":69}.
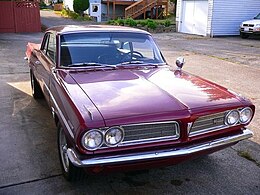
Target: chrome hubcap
{"x":63,"y":151}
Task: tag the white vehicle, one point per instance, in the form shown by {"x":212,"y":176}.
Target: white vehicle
{"x":250,"y":27}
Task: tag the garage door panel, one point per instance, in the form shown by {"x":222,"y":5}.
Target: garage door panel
{"x":200,"y":17}
{"x":194,"y":17}
{"x":187,"y":22}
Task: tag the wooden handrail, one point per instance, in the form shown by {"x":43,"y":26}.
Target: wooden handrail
{"x":133,"y":5}
{"x":140,"y":7}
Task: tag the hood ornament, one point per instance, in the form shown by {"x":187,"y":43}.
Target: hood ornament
{"x":180,"y":62}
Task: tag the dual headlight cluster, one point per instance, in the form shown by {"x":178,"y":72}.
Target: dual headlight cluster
{"x":239,"y":116}
{"x":95,"y":138}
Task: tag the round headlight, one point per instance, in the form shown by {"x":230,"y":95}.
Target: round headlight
{"x":114,"y":136}
{"x":92,"y":140}
{"x":232,"y":117}
{"x":246,"y":115}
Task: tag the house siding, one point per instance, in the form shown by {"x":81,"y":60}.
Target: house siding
{"x":227,"y":16}
{"x":210,"y":14}
{"x":224,"y":17}
{"x":178,"y":14}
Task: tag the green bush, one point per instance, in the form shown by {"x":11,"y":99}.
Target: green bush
{"x":73,"y":15}
{"x":142,"y":22}
{"x":42,"y":5}
{"x":118,"y":22}
{"x":111,"y":22}
{"x":151,"y":24}
{"x":80,"y":6}
{"x":130,"y":22}
{"x":167,"y":23}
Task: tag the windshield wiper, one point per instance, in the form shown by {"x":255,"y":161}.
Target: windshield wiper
{"x":131,"y":62}
{"x":91,"y":64}
{"x":154,"y":64}
{"x":141,"y":63}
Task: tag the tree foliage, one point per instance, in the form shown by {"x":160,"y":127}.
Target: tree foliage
{"x":80,"y":6}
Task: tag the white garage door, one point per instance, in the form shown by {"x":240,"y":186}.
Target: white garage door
{"x":194,"y":17}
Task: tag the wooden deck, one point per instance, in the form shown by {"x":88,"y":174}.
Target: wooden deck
{"x":135,"y":8}
{"x":115,"y":3}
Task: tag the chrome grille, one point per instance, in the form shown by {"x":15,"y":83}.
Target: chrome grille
{"x":208,"y":123}
{"x":249,"y":25}
{"x":150,"y":132}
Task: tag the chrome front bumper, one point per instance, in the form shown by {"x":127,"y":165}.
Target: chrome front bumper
{"x":160,"y":154}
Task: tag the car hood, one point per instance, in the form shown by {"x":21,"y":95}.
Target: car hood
{"x":143,"y":92}
{"x":254,"y":21}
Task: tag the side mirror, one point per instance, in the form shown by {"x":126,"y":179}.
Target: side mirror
{"x":180,"y":62}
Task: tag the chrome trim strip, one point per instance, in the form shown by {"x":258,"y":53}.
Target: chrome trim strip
{"x":60,"y":113}
{"x":89,"y":113}
{"x":150,"y":123}
{"x":155,"y":155}
{"x":208,"y":130}
{"x":150,"y":140}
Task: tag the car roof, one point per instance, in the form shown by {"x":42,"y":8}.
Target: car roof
{"x":68,"y":29}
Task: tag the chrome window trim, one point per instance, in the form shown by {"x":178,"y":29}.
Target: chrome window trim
{"x":60,"y":113}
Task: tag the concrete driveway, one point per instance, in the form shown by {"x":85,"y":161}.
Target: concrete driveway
{"x":29,"y":158}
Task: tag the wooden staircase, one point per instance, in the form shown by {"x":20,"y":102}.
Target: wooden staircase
{"x":141,"y":7}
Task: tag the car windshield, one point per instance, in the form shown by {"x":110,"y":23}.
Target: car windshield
{"x":108,"y":48}
{"x":258,"y":16}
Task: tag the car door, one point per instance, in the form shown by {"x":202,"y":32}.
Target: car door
{"x":47,"y":62}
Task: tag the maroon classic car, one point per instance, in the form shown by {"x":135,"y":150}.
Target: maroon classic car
{"x":118,"y":105}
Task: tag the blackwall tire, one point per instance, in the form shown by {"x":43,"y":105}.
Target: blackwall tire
{"x":36,"y":89}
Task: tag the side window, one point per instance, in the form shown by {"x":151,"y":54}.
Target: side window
{"x":45,"y":43}
{"x":51,"y":49}
{"x":49,"y":46}
{"x":126,"y":45}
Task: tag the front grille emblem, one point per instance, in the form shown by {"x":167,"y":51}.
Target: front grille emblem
{"x":217,"y":120}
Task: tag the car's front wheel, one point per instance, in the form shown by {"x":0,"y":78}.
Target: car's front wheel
{"x":70,"y":172}
{"x":244,"y":35}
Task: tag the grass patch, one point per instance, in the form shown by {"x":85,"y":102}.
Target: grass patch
{"x":247,"y":156}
